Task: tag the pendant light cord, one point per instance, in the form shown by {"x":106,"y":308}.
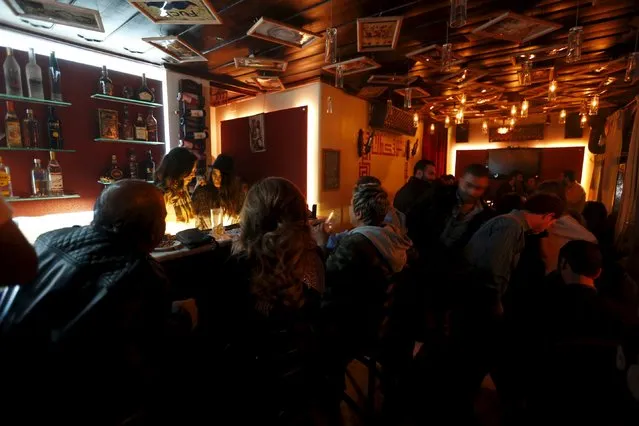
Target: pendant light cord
{"x":577,"y":17}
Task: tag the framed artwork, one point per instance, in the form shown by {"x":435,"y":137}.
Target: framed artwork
{"x":264,"y":64}
{"x":431,"y":56}
{"x":353,"y":66}
{"x":108,"y":124}
{"x":178,"y":49}
{"x":279,"y":32}
{"x":192,"y":12}
{"x":256,"y":133}
{"x":395,"y":80}
{"x":417,"y":93}
{"x":542,"y":54}
{"x":516,"y":28}
{"x":57,"y":13}
{"x":268,"y":83}
{"x":377,"y":34}
{"x":330,"y":169}
{"x":369,"y":92}
{"x":463,"y":77}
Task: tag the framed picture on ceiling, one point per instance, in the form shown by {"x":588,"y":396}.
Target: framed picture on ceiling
{"x":264,"y":64}
{"x":353,"y":66}
{"x":330,"y":169}
{"x":369,"y":92}
{"x":431,"y":56}
{"x":192,"y":12}
{"x":268,"y":83}
{"x":281,"y":33}
{"x":178,"y":49}
{"x":416,"y":93}
{"x":377,"y":34}
{"x":57,"y":13}
{"x":257,"y":139}
{"x":463,"y":77}
{"x":516,"y":28}
{"x":392,"y":80}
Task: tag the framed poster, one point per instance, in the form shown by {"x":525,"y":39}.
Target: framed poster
{"x":376,"y":34}
{"x":193,"y":12}
{"x":330,"y":169}
{"x":279,"y":32}
{"x":57,"y":13}
{"x":178,"y":49}
{"x":108,"y":124}
{"x":256,"y":133}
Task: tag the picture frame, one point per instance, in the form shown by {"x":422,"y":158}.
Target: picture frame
{"x":281,"y":33}
{"x":417,"y":93}
{"x":257,"y":140}
{"x":57,"y":13}
{"x":108,"y":124}
{"x":378,"y":34}
{"x":268,"y":83}
{"x":516,"y":28}
{"x":393,"y":80}
{"x":263,"y":64}
{"x":353,"y":66}
{"x":192,"y":12}
{"x":176,"y":48}
{"x":330,"y":169}
{"x":370,"y":92}
{"x":431,"y":56}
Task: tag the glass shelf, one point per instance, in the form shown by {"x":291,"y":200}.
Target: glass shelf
{"x":4,"y":148}
{"x":6,"y":97}
{"x":59,"y":197}
{"x":111,"y":183}
{"x":127,"y":141}
{"x":125,"y":100}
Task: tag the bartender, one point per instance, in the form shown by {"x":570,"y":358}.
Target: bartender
{"x":176,"y":171}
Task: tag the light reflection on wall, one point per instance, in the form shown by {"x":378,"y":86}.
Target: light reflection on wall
{"x":33,"y":227}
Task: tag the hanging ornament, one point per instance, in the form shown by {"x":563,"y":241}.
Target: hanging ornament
{"x":593,"y":106}
{"x":513,"y":111}
{"x":583,"y":121}
{"x":575,"y":40}
{"x":329,"y":105}
{"x":339,"y":77}
{"x":632,"y":68}
{"x":552,"y":90}
{"x":562,"y":116}
{"x":408,"y":98}
{"x":511,"y":123}
{"x":525,"y":74}
{"x":524,"y":109}
{"x":447,"y":122}
{"x":447,"y":57}
{"x":458,"y":12}
{"x":462,"y":99}
{"x":484,"y":127}
{"x":583,"y":110}
{"x":431,"y":130}
{"x":459,"y":117}
{"x":330,"y":51}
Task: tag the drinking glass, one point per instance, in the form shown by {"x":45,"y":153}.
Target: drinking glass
{"x":217,"y":219}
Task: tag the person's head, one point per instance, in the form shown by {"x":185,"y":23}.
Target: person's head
{"x":275,"y":235}
{"x":177,"y":168}
{"x":596,"y":217}
{"x":222,"y":171}
{"x":425,"y":170}
{"x":508,"y":203}
{"x":474,"y":183}
{"x":369,"y":205}
{"x":448,"y":180}
{"x":133,"y":212}
{"x":552,"y":187}
{"x":515,"y":176}
{"x":579,"y":262}
{"x":368,"y":180}
{"x":542,"y":210}
{"x":568,"y":177}
{"x":531,"y":184}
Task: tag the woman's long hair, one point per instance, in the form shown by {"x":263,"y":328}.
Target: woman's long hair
{"x":176,"y":165}
{"x":275,"y":236}
{"x":229,"y":194}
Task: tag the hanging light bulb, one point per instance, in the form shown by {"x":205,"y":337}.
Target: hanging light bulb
{"x":583,"y":121}
{"x":552,"y":90}
{"x":459,"y":117}
{"x":593,"y":106}
{"x":562,"y":116}
{"x":408,"y":98}
{"x":447,"y":122}
{"x":632,"y":68}
{"x":484,"y":127}
{"x":511,"y":123}
{"x":524,"y":109}
{"x":462,"y":99}
{"x":447,"y":57}
{"x":575,"y":40}
{"x":583,"y":110}
{"x":525,"y":74}
{"x":339,"y":77}
{"x":458,"y":12}
{"x":513,"y":111}
{"x":329,"y":105}
{"x":432,"y":129}
{"x":330,"y":49}
{"x":416,"y":120}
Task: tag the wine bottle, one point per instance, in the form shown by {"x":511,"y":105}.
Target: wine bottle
{"x":12,"y":127}
{"x":6,"y":189}
{"x":54,"y":127}
{"x":195,"y":113}
{"x":127,"y":126}
{"x":30,"y":131}
{"x":54,"y":172}
{"x":133,"y":164}
{"x":196,"y":135}
{"x":34,"y":77}
{"x":140,"y":128}
{"x":149,"y":167}
{"x":55,"y":78}
{"x":105,"y":85}
{"x":151,"y":127}
{"x":115,"y":172}
{"x":144,"y":93}
{"x":12,"y":74}
{"x":39,"y":179}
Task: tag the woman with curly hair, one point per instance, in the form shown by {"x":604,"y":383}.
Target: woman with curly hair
{"x":176,"y":170}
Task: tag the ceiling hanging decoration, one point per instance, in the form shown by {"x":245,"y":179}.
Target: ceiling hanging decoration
{"x":339,"y":77}
{"x":525,"y":74}
{"x":516,"y":28}
{"x":523,"y":113}
{"x":503,"y":129}
{"x":378,"y":34}
{"x":193,"y":12}
{"x":353,"y":66}
{"x":263,"y":64}
{"x":330,"y":49}
{"x":176,"y":48}
{"x":396,"y":80}
{"x":408,"y":98}
{"x":583,"y":121}
{"x":552,"y":87}
{"x":432,"y":56}
{"x":562,"y":116}
{"x":632,"y":67}
{"x":458,"y":13}
{"x":513,"y":111}
{"x":459,"y":117}
{"x":447,"y":122}
{"x":281,"y":33}
{"x":268,"y":83}
{"x":484,"y":127}
{"x":593,"y":105}
{"x":416,"y":120}
{"x":575,"y":40}
{"x":512,"y":122}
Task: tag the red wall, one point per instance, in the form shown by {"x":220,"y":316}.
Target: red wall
{"x":285,"y":155}
{"x":80,"y":169}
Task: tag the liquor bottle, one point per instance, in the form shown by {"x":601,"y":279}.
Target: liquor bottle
{"x":151,"y":127}
{"x":196,"y":135}
{"x":144,"y":93}
{"x":39,"y":180}
{"x":55,"y":78}
{"x":115,"y":172}
{"x":140,"y":129}
{"x":195,"y":113}
{"x":133,"y":164}
{"x":30,"y":131}
{"x":148,"y":167}
{"x":12,"y":74}
{"x":12,"y":127}
{"x":34,"y":77}
{"x":127,"y":127}
{"x":54,"y":127}
{"x":54,"y":174}
{"x":5,"y":180}
{"x":105,"y":85}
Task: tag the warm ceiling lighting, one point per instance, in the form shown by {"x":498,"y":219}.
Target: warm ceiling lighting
{"x":459,"y":117}
{"x":432,"y":128}
{"x":593,"y":109}
{"x":416,"y":120}
{"x":512,"y":122}
{"x":524,"y":109}
{"x":462,"y":99}
{"x":583,"y":121}
{"x":513,"y":111}
{"x":502,"y":130}
{"x":562,"y":116}
{"x":447,"y":122}
{"x":484,"y":127}
{"x":552,"y":90}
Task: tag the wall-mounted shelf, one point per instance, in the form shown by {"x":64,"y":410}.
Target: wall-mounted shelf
{"x":123,"y":141}
{"x":59,"y":197}
{"x":111,"y":183}
{"x":125,"y":100}
{"x":6,"y":97}
{"x":4,"y":148}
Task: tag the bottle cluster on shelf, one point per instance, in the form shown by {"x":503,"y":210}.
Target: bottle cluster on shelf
{"x":25,"y":133}
{"x":45,"y":182}
{"x":106,"y":87}
{"x":192,"y":120}
{"x":33,"y":73}
{"x":143,"y":170}
{"x":140,"y":129}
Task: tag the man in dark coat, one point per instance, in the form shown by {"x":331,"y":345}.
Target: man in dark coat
{"x":424,"y":176}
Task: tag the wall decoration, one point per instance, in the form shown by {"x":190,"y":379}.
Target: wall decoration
{"x":330,"y":169}
{"x":364,"y":169}
{"x":192,"y":12}
{"x":516,"y":28}
{"x":369,"y":92}
{"x":264,"y":64}
{"x":279,"y":32}
{"x":397,"y":80}
{"x":57,"y":13}
{"x":431,"y":56}
{"x":377,"y":34}
{"x":528,"y":132}
{"x":178,"y":49}
{"x":269,"y":83}
{"x":353,"y":66}
{"x":256,"y":133}
{"x":416,"y":93}
{"x":463,"y":77}
{"x":108,"y":124}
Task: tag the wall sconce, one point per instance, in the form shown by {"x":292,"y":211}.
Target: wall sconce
{"x":458,"y":11}
{"x":552,"y":90}
{"x":339,"y":77}
{"x":329,"y":105}
{"x":593,"y":107}
{"x":513,"y":111}
{"x":484,"y":127}
{"x":432,"y":128}
{"x":524,"y":109}
{"x":575,"y":39}
{"x":447,"y":122}
{"x":408,"y":98}
{"x":562,"y":116}
{"x":583,"y":121}
{"x":330,"y":49}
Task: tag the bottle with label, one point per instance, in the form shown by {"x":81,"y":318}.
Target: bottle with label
{"x":196,"y":135}
{"x":133,"y":164}
{"x":30,"y":131}
{"x":34,"y":77}
{"x":54,"y":173}
{"x":12,"y":127}
{"x":194,"y":113}
{"x":105,"y":85}
{"x":115,"y":172}
{"x":148,"y":167}
{"x":140,"y":129}
{"x":39,"y":179}
{"x":54,"y":128}
{"x":12,"y":75}
{"x":144,"y":93}
{"x":151,"y":127}
{"x":55,"y":78}
{"x":127,"y":126}
{"x":5,"y":180}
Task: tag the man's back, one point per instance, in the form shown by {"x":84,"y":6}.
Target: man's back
{"x":410,"y":193}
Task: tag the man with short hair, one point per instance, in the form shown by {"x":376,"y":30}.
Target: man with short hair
{"x":575,"y":194}
{"x":423,"y":179}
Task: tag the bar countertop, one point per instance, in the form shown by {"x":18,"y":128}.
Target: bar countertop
{"x":165,"y":256}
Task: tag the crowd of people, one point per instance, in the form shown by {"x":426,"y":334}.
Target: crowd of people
{"x":436,"y":290}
